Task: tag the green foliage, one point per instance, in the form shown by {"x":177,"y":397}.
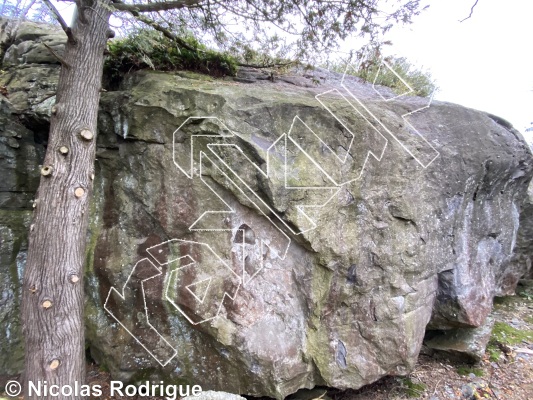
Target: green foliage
{"x":148,"y":49}
{"x":525,"y":289}
{"x":374,"y":71}
{"x":494,"y":352}
{"x":467,"y":370}
{"x":418,"y":80}
{"x":412,"y":389}
{"x":265,"y":53}
{"x":506,"y":335}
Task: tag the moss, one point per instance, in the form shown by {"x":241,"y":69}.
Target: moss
{"x":506,"y":334}
{"x":93,"y":312}
{"x":493,"y":352}
{"x":147,"y":49}
{"x":503,"y":333}
{"x":467,"y":370}
{"x":94,"y":230}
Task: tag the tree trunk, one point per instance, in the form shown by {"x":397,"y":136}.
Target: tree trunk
{"x":52,"y":301}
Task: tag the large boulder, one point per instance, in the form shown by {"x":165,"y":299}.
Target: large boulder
{"x":409,"y":240}
{"x":289,"y":233}
{"x":30,"y":70}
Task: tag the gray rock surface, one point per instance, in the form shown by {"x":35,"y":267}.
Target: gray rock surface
{"x":461,"y":342}
{"x":212,"y":395}
{"x":420,"y":232}
{"x":522,"y":262}
{"x":19,"y":156}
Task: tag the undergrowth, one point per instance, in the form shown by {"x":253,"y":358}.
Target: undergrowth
{"x":380,"y":72}
{"x":149,"y":49}
{"x":411,"y":389}
{"x":465,"y":370}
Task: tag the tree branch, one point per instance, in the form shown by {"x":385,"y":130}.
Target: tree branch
{"x":153,"y":7}
{"x":63,"y":62}
{"x":471,"y":12}
{"x":61,"y":21}
{"x":164,"y":31}
{"x":26,"y":9}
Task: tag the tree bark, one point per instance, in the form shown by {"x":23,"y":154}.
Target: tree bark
{"x":52,"y":304}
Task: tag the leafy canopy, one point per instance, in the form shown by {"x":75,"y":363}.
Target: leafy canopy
{"x":307,"y":30}
{"x":296,"y":29}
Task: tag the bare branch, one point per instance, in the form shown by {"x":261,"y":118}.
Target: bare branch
{"x":471,"y":12}
{"x":180,"y":42}
{"x":63,"y":62}
{"x":61,"y":21}
{"x":159,"y":6}
{"x":26,"y":9}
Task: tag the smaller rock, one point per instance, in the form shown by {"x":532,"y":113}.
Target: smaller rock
{"x":212,"y":395}
{"x":471,"y":342}
{"x":310,"y":394}
{"x":467,"y":391}
{"x":13,"y":143}
{"x":449,"y":392}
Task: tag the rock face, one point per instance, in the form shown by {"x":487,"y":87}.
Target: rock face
{"x":464,"y":343}
{"x":522,"y":263}
{"x":289,"y":234}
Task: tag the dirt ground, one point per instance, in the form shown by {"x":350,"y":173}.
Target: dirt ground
{"x":505,"y":373}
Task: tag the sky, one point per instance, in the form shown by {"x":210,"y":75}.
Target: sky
{"x":484,"y":62}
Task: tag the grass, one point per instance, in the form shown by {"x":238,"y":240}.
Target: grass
{"x":373,"y":70}
{"x":506,"y":334}
{"x":494,"y":352}
{"x":467,"y":370}
{"x":379,"y":74}
{"x":410,"y":388}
